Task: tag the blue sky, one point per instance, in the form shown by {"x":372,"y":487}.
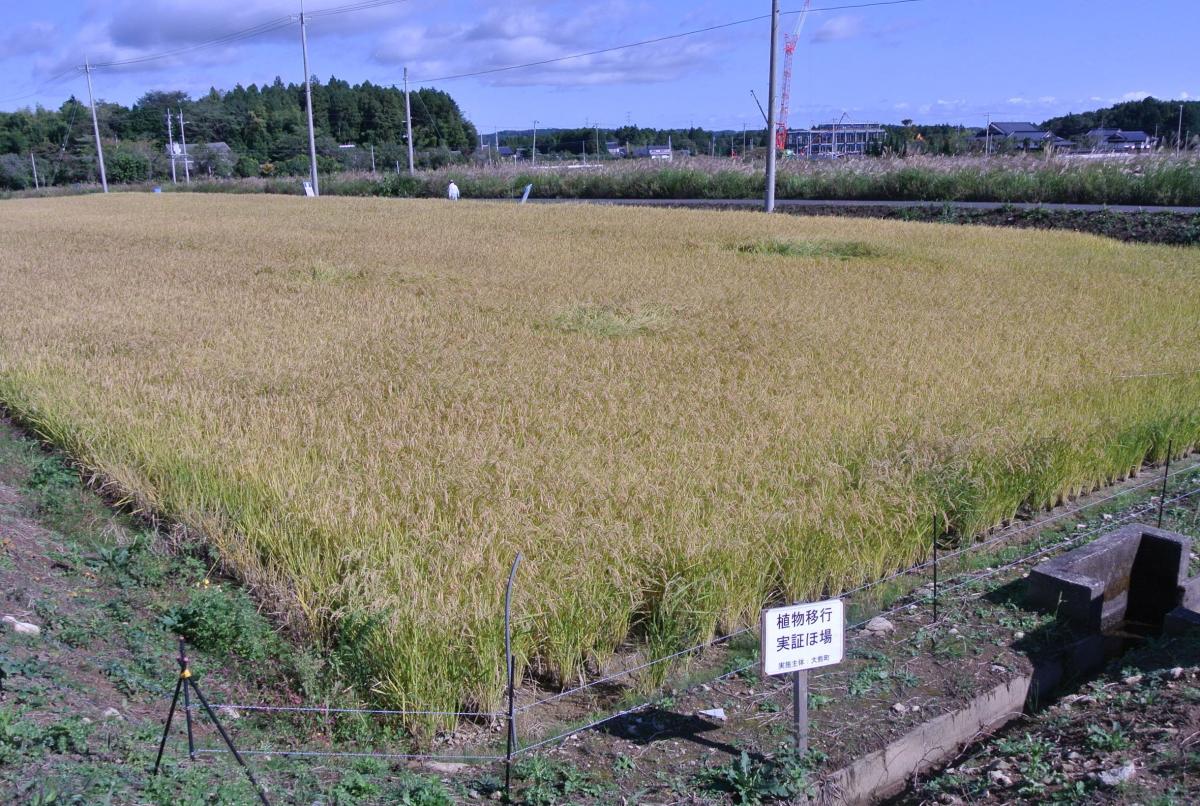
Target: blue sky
{"x":933,"y":60}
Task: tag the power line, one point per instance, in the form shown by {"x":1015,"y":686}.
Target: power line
{"x":246,"y":33}
{"x":350,"y":7}
{"x":658,"y":39}
{"x":265,"y":27}
{"x":58,"y":78}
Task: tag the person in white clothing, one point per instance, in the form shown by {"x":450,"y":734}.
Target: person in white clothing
{"x":452,"y":192}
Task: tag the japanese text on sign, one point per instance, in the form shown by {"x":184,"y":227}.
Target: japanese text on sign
{"x":802,"y":636}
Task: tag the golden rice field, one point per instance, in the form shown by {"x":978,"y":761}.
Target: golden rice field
{"x":367,"y":407}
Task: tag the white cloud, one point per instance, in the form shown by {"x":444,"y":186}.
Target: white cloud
{"x":839,"y":28}
{"x":23,"y":40}
{"x":133,"y":29}
{"x":1136,"y":95}
{"x":499,"y":40}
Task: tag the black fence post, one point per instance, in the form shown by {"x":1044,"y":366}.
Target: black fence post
{"x":1162,"y":497}
{"x":935,"y":568}
{"x":511,"y":743}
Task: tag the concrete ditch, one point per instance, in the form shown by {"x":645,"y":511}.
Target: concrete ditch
{"x":1124,"y":586}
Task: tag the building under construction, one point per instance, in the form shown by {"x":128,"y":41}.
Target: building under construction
{"x":836,"y":140}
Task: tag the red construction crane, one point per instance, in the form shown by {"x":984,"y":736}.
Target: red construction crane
{"x":789,"y":48}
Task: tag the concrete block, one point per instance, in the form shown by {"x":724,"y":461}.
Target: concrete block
{"x":1181,"y":620}
{"x":1136,"y":573}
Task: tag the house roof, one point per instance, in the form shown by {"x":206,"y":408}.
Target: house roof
{"x":1118,"y":135}
{"x":1011,"y":127}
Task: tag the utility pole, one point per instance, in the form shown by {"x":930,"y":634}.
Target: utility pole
{"x":312,"y":137}
{"x":372,"y":159}
{"x":408,"y":122}
{"x":187,"y":170}
{"x":1179,"y":131}
{"x":96,"y":127}
{"x":33,"y":162}
{"x":743,"y":138}
{"x":535,"y":142}
{"x":171,"y":147}
{"x":597,"y":144}
{"x":769,"y":205}
{"x":987,"y":139}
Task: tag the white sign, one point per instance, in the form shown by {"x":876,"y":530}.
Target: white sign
{"x":308,"y":190}
{"x":803,"y":636}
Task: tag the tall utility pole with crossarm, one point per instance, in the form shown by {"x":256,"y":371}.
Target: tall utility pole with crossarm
{"x":769,"y":204}
{"x":96,"y":127}
{"x":312,"y":138}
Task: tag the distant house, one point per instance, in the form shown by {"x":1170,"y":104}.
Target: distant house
{"x":614,"y":148}
{"x":1116,"y":140}
{"x":1023,"y":136}
{"x":487,"y":152}
{"x":654,"y":152}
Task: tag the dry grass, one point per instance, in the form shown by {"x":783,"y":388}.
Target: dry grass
{"x":369,"y":406}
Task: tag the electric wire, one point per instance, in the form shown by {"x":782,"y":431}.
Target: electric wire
{"x":246,"y":33}
{"x":57,"y":78}
{"x":655,"y":40}
{"x":366,"y":5}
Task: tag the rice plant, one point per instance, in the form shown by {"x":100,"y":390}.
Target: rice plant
{"x":367,"y":406}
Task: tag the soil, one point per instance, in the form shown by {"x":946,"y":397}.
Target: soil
{"x":1181,"y":229}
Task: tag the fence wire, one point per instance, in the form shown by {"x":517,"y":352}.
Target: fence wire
{"x":208,"y":751}
{"x":318,"y":709}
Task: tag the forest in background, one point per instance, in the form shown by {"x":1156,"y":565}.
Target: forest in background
{"x":363,"y":124}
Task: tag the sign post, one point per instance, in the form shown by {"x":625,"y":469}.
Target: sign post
{"x":797,"y":638}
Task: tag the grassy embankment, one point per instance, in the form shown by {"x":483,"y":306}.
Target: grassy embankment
{"x":368,"y":409}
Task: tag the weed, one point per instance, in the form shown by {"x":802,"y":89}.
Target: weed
{"x":1107,"y":739}
{"x":868,"y":679}
{"x":817,"y":700}
{"x":599,"y":320}
{"x":353,"y":787}
{"x":416,"y":790}
{"x":550,"y":782}
{"x":222,"y":620}
{"x":834,"y":249}
{"x":751,"y":782}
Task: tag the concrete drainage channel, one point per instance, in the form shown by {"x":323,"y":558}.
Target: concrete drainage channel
{"x":1120,"y":589}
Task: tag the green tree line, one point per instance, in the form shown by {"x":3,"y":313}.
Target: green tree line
{"x":265,"y":129}
{"x":1149,"y":115}
{"x":575,"y":142}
